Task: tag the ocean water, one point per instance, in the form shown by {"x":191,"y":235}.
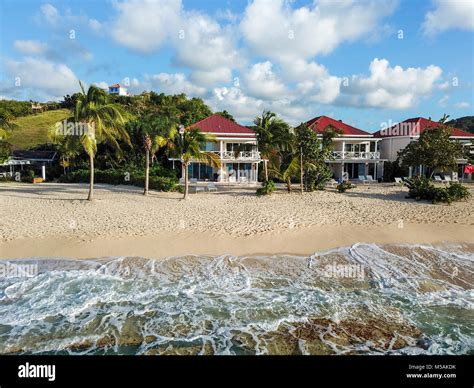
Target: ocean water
{"x":364,"y":299}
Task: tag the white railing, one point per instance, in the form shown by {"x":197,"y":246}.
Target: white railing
{"x":355,"y":155}
{"x":242,"y":155}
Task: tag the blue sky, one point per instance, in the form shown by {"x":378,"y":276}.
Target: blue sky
{"x":365,"y":62}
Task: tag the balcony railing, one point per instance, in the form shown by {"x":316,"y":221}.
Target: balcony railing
{"x":242,"y":155}
{"x":338,"y":155}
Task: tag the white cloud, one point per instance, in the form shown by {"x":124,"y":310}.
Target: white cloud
{"x":102,"y":85}
{"x":50,"y":14}
{"x":205,"y":44}
{"x":276,"y":30}
{"x":211,"y":77}
{"x":199,"y":42}
{"x":245,"y":108}
{"x":30,"y":47}
{"x":443,"y":101}
{"x":261,"y":82}
{"x":145,"y":25}
{"x":41,"y":78}
{"x":95,"y":25}
{"x":313,"y":81}
{"x":462,"y":105}
{"x":173,"y":84}
{"x":449,"y":14}
{"x":391,"y":87}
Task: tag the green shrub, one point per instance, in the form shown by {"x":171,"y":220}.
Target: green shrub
{"x":458,"y":192}
{"x":118,"y":177}
{"x":421,"y":188}
{"x":344,"y":186}
{"x":267,"y":188}
{"x":316,"y":178}
{"x":440,"y":194}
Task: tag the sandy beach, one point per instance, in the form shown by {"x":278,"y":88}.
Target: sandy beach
{"x":55,"y":220}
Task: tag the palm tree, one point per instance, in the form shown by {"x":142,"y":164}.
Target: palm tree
{"x":187,"y":146}
{"x":6,"y":124}
{"x":285,"y":162}
{"x":68,"y":146}
{"x":154,"y":132}
{"x":103,"y":122}
{"x":273,"y":135}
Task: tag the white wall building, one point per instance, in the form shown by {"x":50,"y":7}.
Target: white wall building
{"x":355,"y":152}
{"x":397,"y":137}
{"x":236,"y":147}
{"x":118,"y":90}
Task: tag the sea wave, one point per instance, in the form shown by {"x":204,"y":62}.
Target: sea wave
{"x":363,"y":299}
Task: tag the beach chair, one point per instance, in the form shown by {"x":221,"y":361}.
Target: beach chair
{"x":211,"y":186}
{"x":399,"y":181}
{"x":438,"y":178}
{"x":362,"y":179}
{"x":199,"y":188}
{"x":447,"y":178}
{"x":193,"y":180}
{"x":370,"y":179}
{"x":454,"y":176}
{"x":332,"y":182}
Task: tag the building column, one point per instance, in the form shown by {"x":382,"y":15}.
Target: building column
{"x":343,"y":149}
{"x":221,"y":155}
{"x":43,"y":172}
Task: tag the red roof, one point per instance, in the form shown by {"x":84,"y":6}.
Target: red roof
{"x":414,"y":127}
{"x":216,"y":124}
{"x":115,"y":86}
{"x":319,"y":125}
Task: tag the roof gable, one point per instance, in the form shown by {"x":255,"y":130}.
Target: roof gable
{"x":414,"y":127}
{"x":319,"y":125}
{"x":216,"y":124}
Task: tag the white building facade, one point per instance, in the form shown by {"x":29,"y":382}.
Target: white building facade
{"x":397,"y":137}
{"x":355,"y":152}
{"x":236,"y":147}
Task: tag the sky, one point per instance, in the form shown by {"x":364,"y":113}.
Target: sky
{"x":368,"y":63}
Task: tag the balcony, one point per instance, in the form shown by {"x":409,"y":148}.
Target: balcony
{"x":344,"y":155}
{"x":238,"y":156}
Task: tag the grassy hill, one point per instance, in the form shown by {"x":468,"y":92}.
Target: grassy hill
{"x":33,"y":129}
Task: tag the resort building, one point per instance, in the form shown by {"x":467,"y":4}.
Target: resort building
{"x":236,"y":147}
{"x":398,"y":136}
{"x":118,"y":90}
{"x":355,"y":152}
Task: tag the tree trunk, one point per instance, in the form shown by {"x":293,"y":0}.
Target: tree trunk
{"x":186,"y":188}
{"x":147,"y":172}
{"x":288,"y":184}
{"x":91,"y":182}
{"x":266,"y":170}
{"x":301,"y":171}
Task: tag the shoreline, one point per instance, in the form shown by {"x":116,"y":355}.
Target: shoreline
{"x":299,"y":242}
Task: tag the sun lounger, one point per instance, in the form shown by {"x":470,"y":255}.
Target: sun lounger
{"x":399,"y":181}
{"x":362,"y":179}
{"x":193,"y":180}
{"x":332,"y":182}
{"x":199,"y":188}
{"x":211,"y":186}
{"x":447,"y":178}
{"x":437,"y":178}
{"x":370,"y":179}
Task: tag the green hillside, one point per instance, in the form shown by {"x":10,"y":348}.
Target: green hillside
{"x":466,"y":123}
{"x":33,"y":129}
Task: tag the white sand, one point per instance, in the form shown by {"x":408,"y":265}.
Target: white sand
{"x":56,"y":220}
